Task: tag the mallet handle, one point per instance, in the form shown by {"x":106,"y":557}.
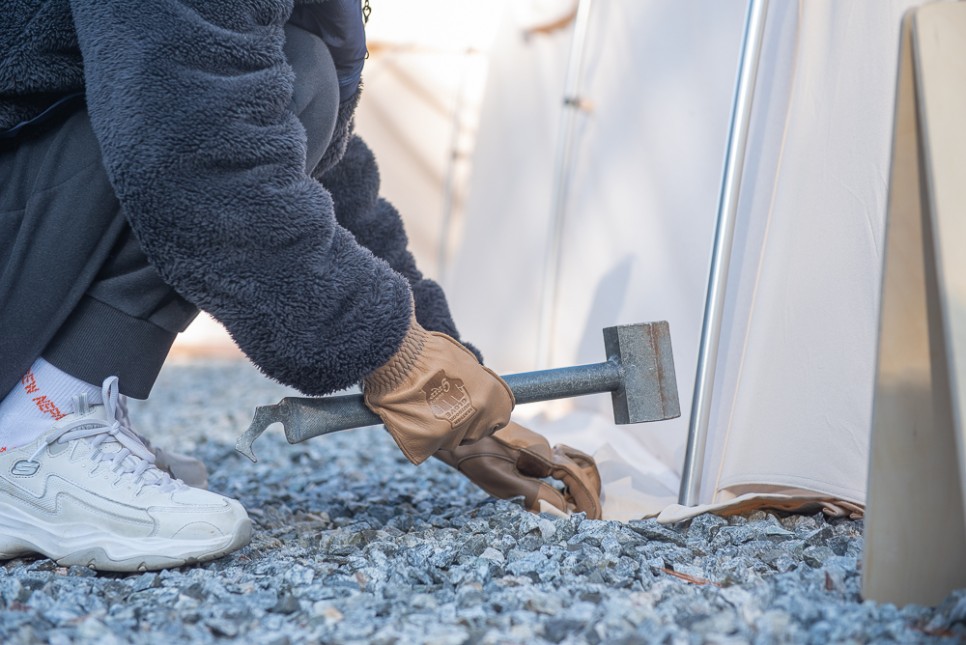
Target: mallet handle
{"x":309,"y":417}
{"x":565,"y":382}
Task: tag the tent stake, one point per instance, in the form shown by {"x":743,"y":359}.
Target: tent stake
{"x":721,"y":252}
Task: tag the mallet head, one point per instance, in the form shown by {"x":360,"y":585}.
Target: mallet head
{"x":649,"y":391}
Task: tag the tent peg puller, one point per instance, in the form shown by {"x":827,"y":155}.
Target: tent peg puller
{"x":638,"y":372}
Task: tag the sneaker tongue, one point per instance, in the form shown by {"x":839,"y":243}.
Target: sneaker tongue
{"x":84,"y":409}
{"x":83,"y":405}
{"x":109,"y":445}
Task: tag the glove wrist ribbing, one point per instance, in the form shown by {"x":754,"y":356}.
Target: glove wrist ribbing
{"x":392,"y":375}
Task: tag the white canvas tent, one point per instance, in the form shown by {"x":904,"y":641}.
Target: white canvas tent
{"x":793,"y":389}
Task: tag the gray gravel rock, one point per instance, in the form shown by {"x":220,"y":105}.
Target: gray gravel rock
{"x":352,"y":544}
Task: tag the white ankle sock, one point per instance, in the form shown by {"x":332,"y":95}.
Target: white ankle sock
{"x":43,"y":395}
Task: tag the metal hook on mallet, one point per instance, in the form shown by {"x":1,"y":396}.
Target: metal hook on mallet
{"x":638,"y":372}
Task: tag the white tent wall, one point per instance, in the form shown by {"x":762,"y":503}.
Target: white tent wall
{"x":423,"y":83}
{"x":794,"y":409}
{"x":657,"y":79}
{"x":792,"y":399}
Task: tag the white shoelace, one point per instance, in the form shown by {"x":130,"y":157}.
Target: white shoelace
{"x":131,"y":457}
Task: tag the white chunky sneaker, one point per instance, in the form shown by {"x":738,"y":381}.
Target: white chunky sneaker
{"x":88,"y":493}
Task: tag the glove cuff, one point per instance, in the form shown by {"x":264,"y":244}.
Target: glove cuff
{"x":391,"y":375}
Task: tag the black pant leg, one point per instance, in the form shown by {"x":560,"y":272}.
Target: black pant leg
{"x":316,"y":99}
{"x":59,"y":221}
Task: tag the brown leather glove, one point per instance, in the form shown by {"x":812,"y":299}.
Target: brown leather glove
{"x":512,"y":461}
{"x":434,"y":394}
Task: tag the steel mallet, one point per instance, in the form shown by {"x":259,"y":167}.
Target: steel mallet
{"x":638,"y":372}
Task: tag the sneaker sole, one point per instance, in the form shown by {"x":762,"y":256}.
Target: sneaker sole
{"x":84,"y":545}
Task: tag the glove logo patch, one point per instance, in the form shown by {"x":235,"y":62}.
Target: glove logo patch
{"x":448,"y":399}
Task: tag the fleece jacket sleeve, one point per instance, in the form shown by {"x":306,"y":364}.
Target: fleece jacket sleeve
{"x":189,"y":100}
{"x":377,"y":225}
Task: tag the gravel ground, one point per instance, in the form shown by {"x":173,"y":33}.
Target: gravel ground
{"x":354,"y":545}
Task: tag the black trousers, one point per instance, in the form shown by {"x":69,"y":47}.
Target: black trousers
{"x":75,"y":287}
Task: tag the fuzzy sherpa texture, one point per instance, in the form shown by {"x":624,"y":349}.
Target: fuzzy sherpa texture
{"x":189,"y":100}
{"x":377,"y":225}
{"x":39,"y":58}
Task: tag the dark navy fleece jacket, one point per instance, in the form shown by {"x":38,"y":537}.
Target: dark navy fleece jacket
{"x":189,"y":101}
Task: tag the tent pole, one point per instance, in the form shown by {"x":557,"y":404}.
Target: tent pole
{"x":721,"y":252}
{"x":562,"y":164}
